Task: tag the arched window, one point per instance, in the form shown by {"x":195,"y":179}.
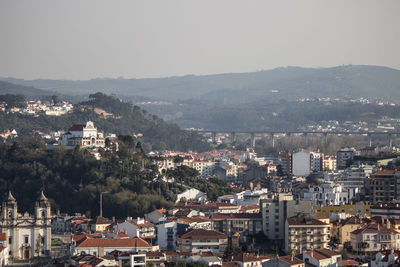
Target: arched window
{"x":43,"y":213}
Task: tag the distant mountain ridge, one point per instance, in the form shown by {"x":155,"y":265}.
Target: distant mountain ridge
{"x":28,"y":91}
{"x":288,"y":83}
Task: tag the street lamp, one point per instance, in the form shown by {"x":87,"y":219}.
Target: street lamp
{"x":101,"y":203}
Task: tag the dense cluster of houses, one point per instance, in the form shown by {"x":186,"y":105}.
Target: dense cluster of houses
{"x":37,"y":107}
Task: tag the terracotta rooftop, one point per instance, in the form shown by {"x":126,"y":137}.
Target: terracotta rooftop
{"x":201,"y":233}
{"x":290,"y":260}
{"x":144,"y":224}
{"x":113,"y":243}
{"x":375,"y":228}
{"x":77,"y":127}
{"x":304,"y":221}
{"x":245,"y":257}
{"x":316,"y":255}
{"x":3,"y":236}
{"x":349,"y":263}
{"x":216,"y":216}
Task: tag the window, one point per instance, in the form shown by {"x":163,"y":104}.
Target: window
{"x":26,"y":238}
{"x":10,"y":240}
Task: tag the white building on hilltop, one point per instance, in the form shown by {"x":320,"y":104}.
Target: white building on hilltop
{"x":83,"y":135}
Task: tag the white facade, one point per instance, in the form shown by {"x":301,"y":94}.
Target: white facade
{"x":301,"y":163}
{"x":192,"y":194}
{"x":28,"y":236}
{"x":327,"y":194}
{"x":316,"y":161}
{"x":166,"y":235}
{"x":83,"y":135}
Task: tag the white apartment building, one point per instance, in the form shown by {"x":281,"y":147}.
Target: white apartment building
{"x":327,"y":193}
{"x":301,"y":162}
{"x":166,"y":235}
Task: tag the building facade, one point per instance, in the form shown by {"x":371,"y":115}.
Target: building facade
{"x":28,"y":235}
{"x":305,"y":233}
{"x":83,"y":135}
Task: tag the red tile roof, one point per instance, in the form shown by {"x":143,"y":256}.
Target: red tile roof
{"x":349,"y":263}
{"x":145,"y":224}
{"x":304,"y":221}
{"x":201,"y":233}
{"x":3,"y":236}
{"x":216,"y":216}
{"x":245,"y":257}
{"x":77,"y":127}
{"x":136,"y":242}
{"x":290,"y":260}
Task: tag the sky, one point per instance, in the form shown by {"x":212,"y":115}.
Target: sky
{"x":83,"y":39}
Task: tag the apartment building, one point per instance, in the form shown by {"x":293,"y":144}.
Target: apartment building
{"x":243,"y":223}
{"x":306,"y":233}
{"x":388,"y":209}
{"x":344,"y":157}
{"x":329,"y":163}
{"x":200,"y":240}
{"x":276,"y":209}
{"x":383,"y":186}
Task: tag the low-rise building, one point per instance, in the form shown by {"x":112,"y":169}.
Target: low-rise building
{"x":342,"y":229}
{"x":102,"y":246}
{"x":285,"y":261}
{"x":322,"y":257}
{"x":199,"y":240}
{"x":136,"y":227}
{"x":374,"y":237}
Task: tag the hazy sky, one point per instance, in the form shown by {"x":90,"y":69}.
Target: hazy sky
{"x":87,"y":39}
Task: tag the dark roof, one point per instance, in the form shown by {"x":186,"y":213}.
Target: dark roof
{"x":291,"y":260}
{"x":245,"y":257}
{"x":202,"y":233}
{"x":77,"y":127}
{"x":102,"y":220}
{"x":112,"y":242}
{"x":236,"y":216}
{"x":304,"y":221}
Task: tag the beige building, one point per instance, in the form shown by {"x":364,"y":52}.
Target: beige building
{"x":200,"y":240}
{"x":28,"y":235}
{"x":304,"y":233}
{"x":276,"y":209}
{"x":329,"y":163}
{"x":375,"y":237}
{"x":342,"y":229}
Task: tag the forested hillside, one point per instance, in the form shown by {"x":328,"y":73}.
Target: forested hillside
{"x":110,"y":115}
{"x":73,"y":179}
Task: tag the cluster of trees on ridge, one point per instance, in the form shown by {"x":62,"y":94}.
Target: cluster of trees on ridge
{"x":73,"y":179}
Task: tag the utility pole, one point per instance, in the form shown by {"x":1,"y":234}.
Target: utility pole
{"x":101,"y":203}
